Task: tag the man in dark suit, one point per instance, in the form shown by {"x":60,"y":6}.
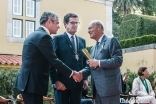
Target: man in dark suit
{"x":37,"y":58}
{"x":84,"y":98}
{"x":104,"y":68}
{"x":67,"y":47}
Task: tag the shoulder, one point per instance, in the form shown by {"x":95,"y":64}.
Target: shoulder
{"x":38,"y":35}
{"x":81,"y":39}
{"x":58,"y":36}
{"x":136,"y":79}
{"x":112,"y":39}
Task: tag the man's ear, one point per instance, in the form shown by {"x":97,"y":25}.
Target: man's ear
{"x":99,"y":27}
{"x":49,"y":20}
{"x":65,"y":24}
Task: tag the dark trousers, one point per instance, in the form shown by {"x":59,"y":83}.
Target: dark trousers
{"x":68,"y":96}
{"x":57,"y":95}
{"x":30,"y":98}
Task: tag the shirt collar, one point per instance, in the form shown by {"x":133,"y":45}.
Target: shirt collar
{"x":100,"y":38}
{"x":45,"y":29}
{"x":69,"y":35}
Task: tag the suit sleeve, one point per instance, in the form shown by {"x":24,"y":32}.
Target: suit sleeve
{"x":150,"y":88}
{"x":46,"y":48}
{"x":53,"y":71}
{"x":84,"y":63}
{"x":116,"y":58}
{"x":86,"y":71}
{"x":84,"y":59}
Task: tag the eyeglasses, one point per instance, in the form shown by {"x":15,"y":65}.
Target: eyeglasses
{"x":74,"y":23}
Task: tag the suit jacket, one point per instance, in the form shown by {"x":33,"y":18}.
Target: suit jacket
{"x":63,"y":48}
{"x":107,"y":79}
{"x":139,"y":89}
{"x":37,"y":57}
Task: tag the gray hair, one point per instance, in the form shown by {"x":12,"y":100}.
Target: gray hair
{"x":48,"y":15}
{"x":98,"y":23}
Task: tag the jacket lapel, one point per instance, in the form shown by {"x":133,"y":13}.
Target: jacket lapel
{"x":101,"y":45}
{"x":67,"y":39}
{"x":93,"y":52}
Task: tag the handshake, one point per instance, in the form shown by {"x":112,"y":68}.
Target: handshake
{"x":77,"y":76}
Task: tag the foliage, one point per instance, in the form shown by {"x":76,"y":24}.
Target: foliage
{"x":7,"y":81}
{"x":125,"y":7}
{"x":136,"y":25}
{"x":116,"y":17}
{"x":138,"y":41}
{"x":89,"y":87}
{"x":129,"y":81}
{"x":116,"y":30}
{"x":89,"y":48}
{"x":149,"y":7}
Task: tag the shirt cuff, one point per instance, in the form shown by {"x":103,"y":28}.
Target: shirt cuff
{"x":99,"y":63}
{"x":71,"y":74}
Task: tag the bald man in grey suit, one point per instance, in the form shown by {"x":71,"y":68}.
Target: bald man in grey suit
{"x":107,"y":54}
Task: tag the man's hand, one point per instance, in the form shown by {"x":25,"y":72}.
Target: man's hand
{"x":125,"y":78}
{"x":60,"y":86}
{"x":93,"y":63}
{"x":85,"y":84}
{"x":76,"y":76}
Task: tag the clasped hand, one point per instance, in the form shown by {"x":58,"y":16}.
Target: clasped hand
{"x":77,"y":76}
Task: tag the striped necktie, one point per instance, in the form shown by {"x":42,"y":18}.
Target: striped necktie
{"x":73,"y":42}
{"x":96,"y":49}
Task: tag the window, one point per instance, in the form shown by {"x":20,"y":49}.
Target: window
{"x":30,"y":7}
{"x":17,"y":28}
{"x":17,"y":7}
{"x":29,"y":27}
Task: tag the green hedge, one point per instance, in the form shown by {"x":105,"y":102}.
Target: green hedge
{"x":136,"y":25}
{"x":7,"y":81}
{"x":138,"y":41}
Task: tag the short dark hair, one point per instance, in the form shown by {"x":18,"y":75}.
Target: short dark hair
{"x":48,"y":15}
{"x":69,"y":15}
{"x":141,"y":69}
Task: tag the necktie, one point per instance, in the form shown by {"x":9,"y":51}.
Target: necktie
{"x":73,"y":42}
{"x":97,"y":45}
{"x":96,"y":49}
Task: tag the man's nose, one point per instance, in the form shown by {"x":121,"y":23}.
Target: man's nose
{"x":58,"y":26}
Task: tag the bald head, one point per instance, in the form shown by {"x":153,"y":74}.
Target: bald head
{"x":96,"y":29}
{"x":98,"y":23}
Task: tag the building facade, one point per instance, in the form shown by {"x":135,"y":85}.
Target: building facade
{"x":19,"y":18}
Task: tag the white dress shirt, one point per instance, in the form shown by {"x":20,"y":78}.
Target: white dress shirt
{"x":69,"y":35}
{"x":99,"y":44}
{"x":45,"y":29}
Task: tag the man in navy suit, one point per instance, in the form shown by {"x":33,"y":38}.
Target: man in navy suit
{"x":105,"y":67}
{"x":67,"y":47}
{"x":37,"y":59}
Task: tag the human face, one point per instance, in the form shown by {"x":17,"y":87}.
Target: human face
{"x":54,"y":26}
{"x":93,"y":31}
{"x":145,"y":73}
{"x":72,"y":25}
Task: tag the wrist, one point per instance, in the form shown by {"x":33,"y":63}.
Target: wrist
{"x":71,"y":75}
